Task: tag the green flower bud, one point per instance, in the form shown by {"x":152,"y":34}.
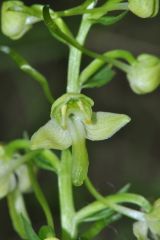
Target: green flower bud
{"x":144,"y":8}
{"x":15,"y":24}
{"x":144,"y":74}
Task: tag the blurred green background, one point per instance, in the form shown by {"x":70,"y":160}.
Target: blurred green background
{"x":132,"y":155}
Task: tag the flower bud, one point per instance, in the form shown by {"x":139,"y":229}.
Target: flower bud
{"x":144,"y":74}
{"x":144,"y":8}
{"x":15,"y":24}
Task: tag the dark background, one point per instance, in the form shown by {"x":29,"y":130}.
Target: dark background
{"x":132,"y":155}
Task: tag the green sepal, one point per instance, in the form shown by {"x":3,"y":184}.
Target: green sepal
{"x":51,"y":136}
{"x":104,"y":125}
{"x":109,"y":20}
{"x":101,"y":78}
{"x":17,"y":208}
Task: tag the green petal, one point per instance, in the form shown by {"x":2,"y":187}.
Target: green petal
{"x":104,"y":125}
{"x":51,"y":136}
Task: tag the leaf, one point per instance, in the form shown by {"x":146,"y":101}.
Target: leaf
{"x":109,"y":20}
{"x":101,"y":78}
{"x":104,"y":125}
{"x":30,"y":233}
{"x":28,"y":69}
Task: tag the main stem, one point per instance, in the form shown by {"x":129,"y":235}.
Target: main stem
{"x":66,"y":197}
{"x":75,"y":57}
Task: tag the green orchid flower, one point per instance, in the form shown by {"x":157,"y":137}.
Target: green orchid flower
{"x":15,"y":24}
{"x":72,"y":122}
{"x":144,"y":74}
{"x":10,"y":179}
{"x":144,"y":8}
{"x":151,"y":223}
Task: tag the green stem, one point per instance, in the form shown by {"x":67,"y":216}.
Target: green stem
{"x":66,"y":197}
{"x":75,"y":57}
{"x":95,"y":65}
{"x":111,"y":202}
{"x":16,"y":145}
{"x":82,"y":9}
{"x":40,"y":197}
{"x":120,"y":209}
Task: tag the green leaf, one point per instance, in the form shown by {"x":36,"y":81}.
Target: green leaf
{"x":30,"y":233}
{"x":46,"y":232}
{"x":28,"y":69}
{"x":17,"y":208}
{"x":101,"y":78}
{"x":109,"y":20}
{"x":104,"y":125}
